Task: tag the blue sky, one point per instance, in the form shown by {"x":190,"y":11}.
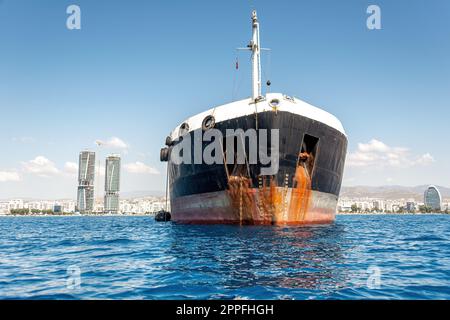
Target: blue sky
{"x":138,"y":68}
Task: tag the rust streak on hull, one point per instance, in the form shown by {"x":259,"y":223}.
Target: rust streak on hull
{"x":268,"y":204}
{"x":301,"y":195}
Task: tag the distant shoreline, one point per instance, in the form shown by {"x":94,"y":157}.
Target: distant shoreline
{"x":388,"y":213}
{"x":78,"y":215}
{"x":152,"y":215}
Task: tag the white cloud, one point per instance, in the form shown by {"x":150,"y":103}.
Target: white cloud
{"x":7,"y":176}
{"x":24,"y":139}
{"x":139,"y":167}
{"x":425,"y":159}
{"x":378,"y":154}
{"x":373,"y":146}
{"x":71,"y":167}
{"x":40,"y":166}
{"x":113,"y":143}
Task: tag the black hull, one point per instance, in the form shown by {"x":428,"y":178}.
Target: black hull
{"x":191,"y":179}
{"x":299,"y":193}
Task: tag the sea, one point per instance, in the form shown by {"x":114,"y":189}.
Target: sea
{"x":129,"y":257}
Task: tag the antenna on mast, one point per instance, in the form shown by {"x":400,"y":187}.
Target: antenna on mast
{"x":255,"y":47}
{"x":256,"y":58}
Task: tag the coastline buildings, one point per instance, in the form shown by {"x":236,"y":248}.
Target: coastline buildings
{"x":371,"y":205}
{"x":432,"y":203}
{"x":86,"y":175}
{"x":16,"y":204}
{"x":112,"y":184}
{"x":432,"y":198}
{"x":140,"y":205}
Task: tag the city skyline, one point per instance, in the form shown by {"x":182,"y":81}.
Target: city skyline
{"x":140,"y":205}
{"x":389,"y":87}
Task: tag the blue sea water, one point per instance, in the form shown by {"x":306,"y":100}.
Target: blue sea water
{"x":357,"y":257}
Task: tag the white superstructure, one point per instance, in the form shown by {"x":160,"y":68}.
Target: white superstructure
{"x":247,"y":107}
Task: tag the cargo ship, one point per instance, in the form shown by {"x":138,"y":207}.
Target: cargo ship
{"x":310,"y":152}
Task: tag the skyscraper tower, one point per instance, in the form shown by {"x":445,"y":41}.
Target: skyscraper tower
{"x":432,"y":198}
{"x":112,"y":183}
{"x":86,"y":175}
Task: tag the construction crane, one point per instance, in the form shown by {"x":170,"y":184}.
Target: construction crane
{"x":98,"y":197}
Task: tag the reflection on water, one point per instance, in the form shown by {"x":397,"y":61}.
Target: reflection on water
{"x":284,"y":257}
{"x":137,"y":258}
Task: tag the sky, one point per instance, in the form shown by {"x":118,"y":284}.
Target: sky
{"x":136,"y":69}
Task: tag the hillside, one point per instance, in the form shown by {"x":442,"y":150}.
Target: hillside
{"x":391,"y":192}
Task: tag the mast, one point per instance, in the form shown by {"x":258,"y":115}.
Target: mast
{"x":254,"y":46}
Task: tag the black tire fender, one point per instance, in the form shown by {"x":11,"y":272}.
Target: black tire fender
{"x":164,"y":154}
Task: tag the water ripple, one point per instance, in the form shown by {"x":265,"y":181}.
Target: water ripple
{"x":136,"y":258}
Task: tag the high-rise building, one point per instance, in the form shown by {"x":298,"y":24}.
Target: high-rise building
{"x":86,"y":175}
{"x":57,"y":208}
{"x":432,"y":198}
{"x":410,"y":206}
{"x":112,"y":184}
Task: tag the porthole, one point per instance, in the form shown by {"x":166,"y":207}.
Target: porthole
{"x":208,"y":123}
{"x":274,"y":103}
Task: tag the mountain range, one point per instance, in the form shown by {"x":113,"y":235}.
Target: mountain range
{"x":391,"y":192}
{"x":381,"y":192}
